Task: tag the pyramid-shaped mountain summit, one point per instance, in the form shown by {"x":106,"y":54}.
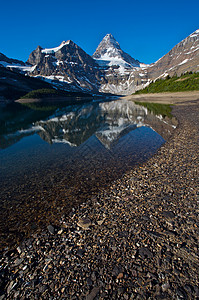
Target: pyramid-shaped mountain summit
{"x":110,"y":53}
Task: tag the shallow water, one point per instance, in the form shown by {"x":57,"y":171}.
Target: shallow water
{"x":55,"y":157}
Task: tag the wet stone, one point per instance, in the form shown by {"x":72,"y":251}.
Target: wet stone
{"x":145,"y":253}
{"x":181,"y":293}
{"x":100,"y":222}
{"x":84,"y":223}
{"x":116,"y":271}
{"x":168,"y":214}
{"x":51,"y":229}
{"x":89,"y":281}
{"x":155,"y":234}
{"x":120,"y":275}
{"x":18,"y":261}
{"x":93,"y":293}
{"x":80,"y":252}
{"x":165,"y":287}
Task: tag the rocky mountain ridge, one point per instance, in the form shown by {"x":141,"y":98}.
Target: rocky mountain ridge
{"x":184,"y":57}
{"x":109,"y":70}
{"x":67,"y":64}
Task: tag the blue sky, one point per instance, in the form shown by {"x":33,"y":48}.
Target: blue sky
{"x":145,"y":29}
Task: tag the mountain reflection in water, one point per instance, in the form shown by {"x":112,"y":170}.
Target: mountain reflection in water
{"x":88,"y":146}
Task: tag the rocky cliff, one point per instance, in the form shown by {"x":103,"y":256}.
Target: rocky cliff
{"x":67,"y":64}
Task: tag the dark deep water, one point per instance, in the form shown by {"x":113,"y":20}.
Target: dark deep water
{"x":53,"y":157}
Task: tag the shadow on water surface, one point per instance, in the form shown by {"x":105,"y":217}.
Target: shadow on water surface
{"x":54,"y":158}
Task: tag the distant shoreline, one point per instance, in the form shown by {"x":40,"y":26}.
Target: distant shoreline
{"x":54,"y":99}
{"x":178,"y":98}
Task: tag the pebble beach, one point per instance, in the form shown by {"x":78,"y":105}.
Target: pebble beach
{"x":136,"y":240}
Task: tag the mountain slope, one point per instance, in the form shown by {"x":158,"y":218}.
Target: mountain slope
{"x":184,"y":57}
{"x":186,"y":82}
{"x":14,"y":64}
{"x":14,"y":84}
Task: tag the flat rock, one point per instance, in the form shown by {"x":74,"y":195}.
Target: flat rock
{"x":145,"y":253}
{"x":84,"y":223}
{"x":168,"y":214}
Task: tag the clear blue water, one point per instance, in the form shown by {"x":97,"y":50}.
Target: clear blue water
{"x":56,"y":157}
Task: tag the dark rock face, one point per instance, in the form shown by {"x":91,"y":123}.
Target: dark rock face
{"x":67,"y":63}
{"x":35,"y":56}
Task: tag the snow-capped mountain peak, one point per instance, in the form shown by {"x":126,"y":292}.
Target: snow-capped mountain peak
{"x":53,"y":50}
{"x":110,"y":41}
{"x":108,"y":48}
{"x":109,"y":53}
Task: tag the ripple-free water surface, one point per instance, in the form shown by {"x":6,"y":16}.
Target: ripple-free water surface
{"x":52,"y":158}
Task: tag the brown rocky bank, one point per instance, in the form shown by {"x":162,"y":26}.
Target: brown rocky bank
{"x":179,"y":98}
{"x":138,"y":240}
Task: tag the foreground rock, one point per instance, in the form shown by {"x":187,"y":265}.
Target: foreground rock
{"x":141,"y":237}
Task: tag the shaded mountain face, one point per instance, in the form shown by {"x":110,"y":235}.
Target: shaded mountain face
{"x":14,"y":84}
{"x":14,"y":64}
{"x":14,"y":81}
{"x":5,"y":61}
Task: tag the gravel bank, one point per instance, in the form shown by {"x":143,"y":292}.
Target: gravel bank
{"x":139,"y":240}
{"x":182,"y":98}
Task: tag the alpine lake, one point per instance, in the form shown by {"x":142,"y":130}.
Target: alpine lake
{"x":54,"y":156}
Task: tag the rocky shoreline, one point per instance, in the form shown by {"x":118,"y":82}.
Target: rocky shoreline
{"x":137,"y":240}
{"x":180,"y":98}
